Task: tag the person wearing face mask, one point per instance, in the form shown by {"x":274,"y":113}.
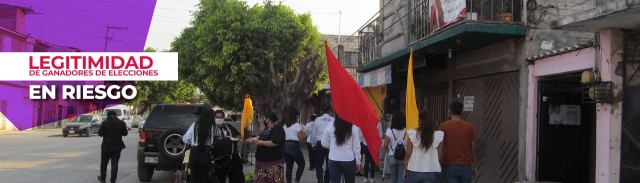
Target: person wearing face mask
{"x":228,"y":166}
{"x":269,"y":166}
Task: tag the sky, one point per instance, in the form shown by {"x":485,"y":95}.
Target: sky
{"x":83,"y":23}
{"x":171,"y":16}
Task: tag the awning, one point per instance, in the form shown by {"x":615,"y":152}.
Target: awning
{"x":376,"y":77}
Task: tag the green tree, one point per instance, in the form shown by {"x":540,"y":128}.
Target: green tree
{"x":269,"y":52}
{"x":152,"y":92}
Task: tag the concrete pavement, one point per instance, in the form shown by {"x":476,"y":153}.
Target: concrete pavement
{"x":46,"y":156}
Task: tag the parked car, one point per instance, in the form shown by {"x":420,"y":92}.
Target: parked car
{"x":122,"y":111}
{"x":141,"y":125}
{"x":135,"y":121}
{"x":85,"y":124}
{"x":160,"y":146}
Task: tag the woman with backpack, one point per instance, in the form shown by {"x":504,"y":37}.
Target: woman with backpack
{"x":424,"y":151}
{"x":341,"y":138}
{"x":394,"y":144}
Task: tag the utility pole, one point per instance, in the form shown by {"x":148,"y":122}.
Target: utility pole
{"x":107,"y":38}
{"x":339,"y":24}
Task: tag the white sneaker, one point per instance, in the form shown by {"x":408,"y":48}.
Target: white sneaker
{"x":365,"y":180}
{"x":372,"y":180}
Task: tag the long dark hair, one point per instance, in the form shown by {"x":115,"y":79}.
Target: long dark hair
{"x":398,"y":121}
{"x":425,"y":129}
{"x":293,"y":117}
{"x":343,"y":130}
{"x":291,"y":120}
{"x":204,"y":124}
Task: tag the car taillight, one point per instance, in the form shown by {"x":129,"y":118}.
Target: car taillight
{"x":143,"y":139}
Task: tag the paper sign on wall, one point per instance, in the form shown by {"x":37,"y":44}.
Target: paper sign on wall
{"x":468,"y":103}
{"x":564,"y":115}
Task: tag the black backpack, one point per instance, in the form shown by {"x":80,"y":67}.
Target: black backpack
{"x":399,"y":151}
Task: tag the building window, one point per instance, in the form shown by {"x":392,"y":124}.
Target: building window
{"x":18,"y":46}
{"x":350,"y":60}
{"x":7,"y":44}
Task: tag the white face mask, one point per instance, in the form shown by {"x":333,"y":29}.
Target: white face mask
{"x":219,"y":121}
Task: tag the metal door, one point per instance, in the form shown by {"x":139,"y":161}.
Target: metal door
{"x":630,"y":147}
{"x":564,"y":151}
{"x":494,"y":114}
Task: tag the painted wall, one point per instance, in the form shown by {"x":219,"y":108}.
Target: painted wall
{"x":396,"y":26}
{"x":376,"y":96}
{"x":17,"y":90}
{"x":608,"y":114}
{"x":541,"y":38}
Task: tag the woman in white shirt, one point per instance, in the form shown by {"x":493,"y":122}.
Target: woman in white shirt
{"x":294,"y":133}
{"x":341,"y":138}
{"x":395,"y":135}
{"x":424,"y":151}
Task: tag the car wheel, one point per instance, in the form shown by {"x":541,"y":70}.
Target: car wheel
{"x":88,"y":133}
{"x":145,"y":173}
{"x":65,"y":134}
{"x":171,"y":145}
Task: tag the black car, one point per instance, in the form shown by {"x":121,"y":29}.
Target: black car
{"x":85,"y":124}
{"x":160,"y":145}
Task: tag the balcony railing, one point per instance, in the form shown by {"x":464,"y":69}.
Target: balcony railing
{"x":370,"y":39}
{"x":489,"y":11}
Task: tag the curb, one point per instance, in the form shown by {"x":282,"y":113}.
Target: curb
{"x":59,"y":135}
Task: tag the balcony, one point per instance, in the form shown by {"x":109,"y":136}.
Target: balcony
{"x":486,"y":22}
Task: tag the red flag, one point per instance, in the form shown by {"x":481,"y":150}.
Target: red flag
{"x":352,"y":105}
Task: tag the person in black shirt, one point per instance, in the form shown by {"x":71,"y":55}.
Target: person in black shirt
{"x":227,"y":166}
{"x":111,"y":131}
{"x":270,"y":151}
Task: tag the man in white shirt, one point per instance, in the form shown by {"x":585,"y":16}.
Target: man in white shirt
{"x":322,"y":153}
{"x":310,"y":133}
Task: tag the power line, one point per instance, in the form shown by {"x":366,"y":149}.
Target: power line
{"x":80,"y":31}
{"x":107,"y":38}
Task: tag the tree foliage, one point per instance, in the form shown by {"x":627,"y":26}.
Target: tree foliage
{"x":152,"y":92}
{"x":267,"y":51}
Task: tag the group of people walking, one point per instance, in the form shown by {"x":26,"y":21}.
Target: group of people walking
{"x":412,"y":155}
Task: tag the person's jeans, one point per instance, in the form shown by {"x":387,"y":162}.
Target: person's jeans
{"x":104,"y":160}
{"x":339,"y":169}
{"x":322,"y":157}
{"x":293,"y":153}
{"x":312,"y":156}
{"x":369,"y":165}
{"x":245,"y":152}
{"x":421,"y":177}
{"x":458,"y":174}
{"x":397,"y":169}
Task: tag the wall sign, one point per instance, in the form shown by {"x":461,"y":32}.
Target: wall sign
{"x":564,"y":115}
{"x":468,"y":103}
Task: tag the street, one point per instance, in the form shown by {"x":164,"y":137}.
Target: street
{"x":46,"y":156}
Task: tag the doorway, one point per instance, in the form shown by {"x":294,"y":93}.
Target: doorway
{"x":3,"y":116}
{"x":566,"y":131}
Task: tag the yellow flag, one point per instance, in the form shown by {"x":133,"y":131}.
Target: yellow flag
{"x":411,"y":105}
{"x":247,"y":115}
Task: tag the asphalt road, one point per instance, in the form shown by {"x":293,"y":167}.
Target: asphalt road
{"x":46,"y":156}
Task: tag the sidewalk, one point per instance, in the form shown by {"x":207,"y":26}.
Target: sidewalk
{"x":45,"y":132}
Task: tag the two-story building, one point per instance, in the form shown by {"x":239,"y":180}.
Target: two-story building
{"x":15,"y":101}
{"x":519,"y":68}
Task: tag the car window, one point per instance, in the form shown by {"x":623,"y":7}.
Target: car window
{"x":82,"y":118}
{"x":118,"y":111}
{"x":171,"y":116}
